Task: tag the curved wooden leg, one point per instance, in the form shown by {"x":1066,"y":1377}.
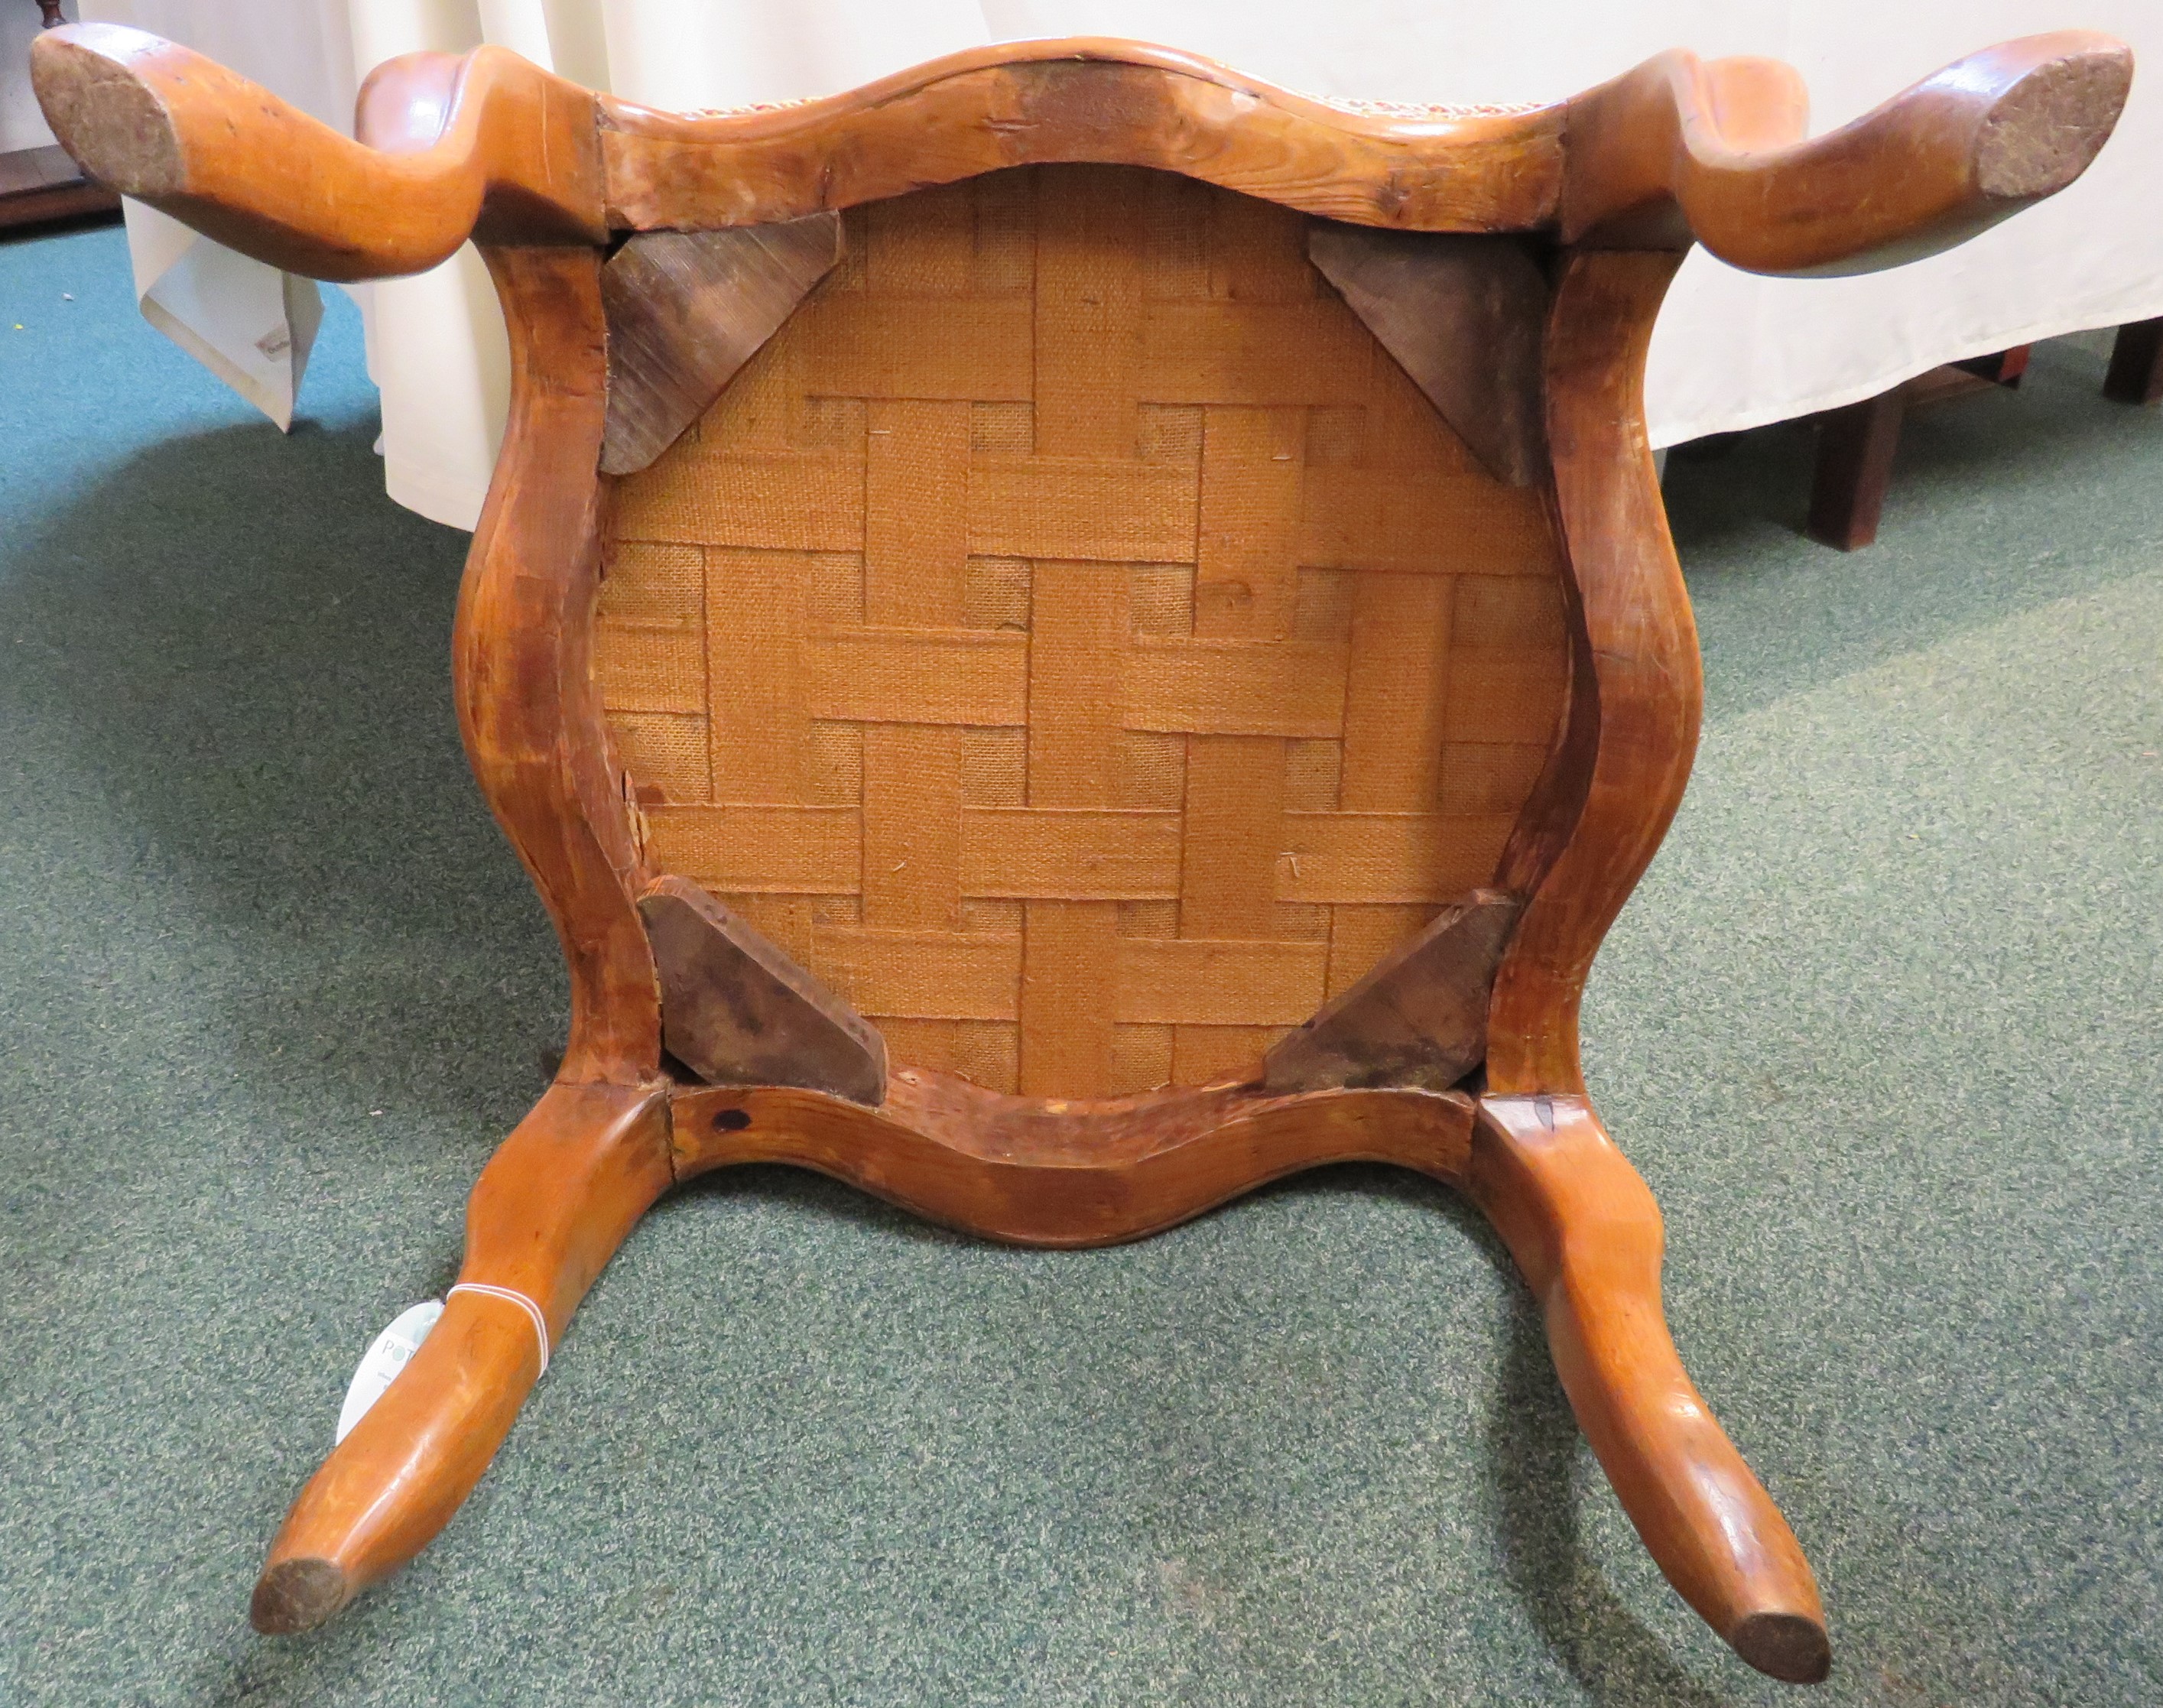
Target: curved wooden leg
{"x":548,"y":1210}
{"x":1584,"y":1228}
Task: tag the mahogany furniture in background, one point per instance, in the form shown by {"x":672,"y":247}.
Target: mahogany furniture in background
{"x":1857,"y":442}
{"x":2136,"y":363}
{"x":1070,"y":633}
{"x":41,"y":183}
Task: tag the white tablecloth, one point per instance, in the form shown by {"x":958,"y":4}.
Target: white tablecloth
{"x":1731,"y":351}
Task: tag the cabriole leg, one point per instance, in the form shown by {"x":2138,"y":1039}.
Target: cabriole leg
{"x":1584,"y":1228}
{"x":548,"y":1210}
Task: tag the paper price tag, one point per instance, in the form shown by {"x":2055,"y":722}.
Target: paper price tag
{"x":387,"y":1355}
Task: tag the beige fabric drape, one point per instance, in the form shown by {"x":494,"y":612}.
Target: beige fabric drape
{"x":1731,"y":350}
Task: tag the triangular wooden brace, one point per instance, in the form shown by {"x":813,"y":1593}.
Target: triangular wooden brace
{"x":735,"y":1010}
{"x":1463,"y":315}
{"x":1418,"y":1018}
{"x":686,"y":310}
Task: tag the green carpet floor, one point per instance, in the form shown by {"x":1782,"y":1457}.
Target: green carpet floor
{"x":1881,"y":1028}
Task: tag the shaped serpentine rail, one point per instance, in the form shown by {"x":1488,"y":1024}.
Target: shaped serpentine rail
{"x":490,"y":146}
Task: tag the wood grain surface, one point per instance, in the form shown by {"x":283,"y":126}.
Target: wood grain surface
{"x":736,"y":1011}
{"x":1417,"y":1018}
{"x":1680,"y":149}
{"x":1085,"y":100}
{"x":488,"y":146}
{"x":1677,"y":150}
{"x":548,"y":1213}
{"x":521,"y":663}
{"x":1050,"y":1172}
{"x":1463,"y":317}
{"x":686,"y":310}
{"x":1587,"y":1235}
{"x":1614,"y":779}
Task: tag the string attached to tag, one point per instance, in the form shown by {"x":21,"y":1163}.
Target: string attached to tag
{"x":393,"y":1350}
{"x":490,"y":1289}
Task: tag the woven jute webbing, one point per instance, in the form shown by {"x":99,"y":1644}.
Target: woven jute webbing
{"x":1075,"y":639}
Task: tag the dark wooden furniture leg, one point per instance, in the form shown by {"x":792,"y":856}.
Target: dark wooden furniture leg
{"x":38,"y":186}
{"x":1855,"y":447}
{"x":42,"y":184}
{"x":2000,"y":368}
{"x":2136,"y":363}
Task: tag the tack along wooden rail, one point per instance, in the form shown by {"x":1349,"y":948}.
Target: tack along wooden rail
{"x":1068,"y":633}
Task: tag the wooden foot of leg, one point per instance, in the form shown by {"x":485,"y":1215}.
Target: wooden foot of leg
{"x":549,"y":1210}
{"x":1584,"y":1229}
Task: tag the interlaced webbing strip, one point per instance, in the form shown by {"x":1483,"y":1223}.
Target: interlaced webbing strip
{"x":1074,"y":639}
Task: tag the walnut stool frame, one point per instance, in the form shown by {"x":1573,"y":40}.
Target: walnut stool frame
{"x":1143,"y":592}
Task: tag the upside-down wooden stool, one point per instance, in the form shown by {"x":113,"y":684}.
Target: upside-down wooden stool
{"x":1071,"y":633}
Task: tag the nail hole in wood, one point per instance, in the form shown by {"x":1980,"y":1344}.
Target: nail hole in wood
{"x":732,"y":1120}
